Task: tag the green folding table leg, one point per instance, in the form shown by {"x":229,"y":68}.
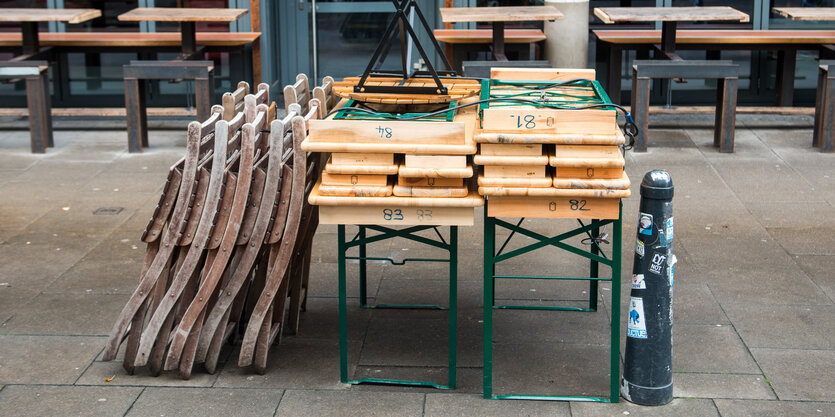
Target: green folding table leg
{"x":594,"y":255}
{"x":361,"y":240}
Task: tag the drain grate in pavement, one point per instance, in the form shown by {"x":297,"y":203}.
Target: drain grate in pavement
{"x":107,"y":211}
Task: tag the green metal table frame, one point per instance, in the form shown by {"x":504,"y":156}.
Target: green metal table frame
{"x":361,"y":240}
{"x":596,"y":257}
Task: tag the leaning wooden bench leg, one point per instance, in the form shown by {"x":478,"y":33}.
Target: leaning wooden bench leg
{"x":723,"y":133}
{"x":136,"y":118}
{"x":640,"y":109}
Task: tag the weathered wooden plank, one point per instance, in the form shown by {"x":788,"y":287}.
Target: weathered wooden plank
{"x":513,"y":171}
{"x":554,"y":207}
{"x":397,"y":215}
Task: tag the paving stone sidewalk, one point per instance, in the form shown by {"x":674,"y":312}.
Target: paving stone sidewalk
{"x":754,"y":311}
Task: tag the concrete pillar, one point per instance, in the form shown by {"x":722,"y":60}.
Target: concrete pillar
{"x":567,"y":43}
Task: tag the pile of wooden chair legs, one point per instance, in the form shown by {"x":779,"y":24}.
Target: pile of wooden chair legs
{"x":229,"y":242}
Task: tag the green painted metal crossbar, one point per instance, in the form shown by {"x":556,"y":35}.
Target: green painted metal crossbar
{"x":595,"y":256}
{"x":543,"y":91}
{"x":361,"y":240}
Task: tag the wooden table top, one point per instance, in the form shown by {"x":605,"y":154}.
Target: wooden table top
{"x":181,"y":14}
{"x":48,"y":15}
{"x":668,"y":14}
{"x":499,"y":14}
{"x":806,"y":13}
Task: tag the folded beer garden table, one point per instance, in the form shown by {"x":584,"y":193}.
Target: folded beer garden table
{"x":498,"y":16}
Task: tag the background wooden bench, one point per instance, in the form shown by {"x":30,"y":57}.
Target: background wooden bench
{"x":612,"y":43}
{"x":458,"y":42}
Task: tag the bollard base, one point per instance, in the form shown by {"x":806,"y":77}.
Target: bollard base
{"x":646,"y":395}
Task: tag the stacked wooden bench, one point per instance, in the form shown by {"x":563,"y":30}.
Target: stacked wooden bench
{"x":612,"y":43}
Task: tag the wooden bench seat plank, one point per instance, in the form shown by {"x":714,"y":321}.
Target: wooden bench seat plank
{"x":720,"y":36}
{"x":486,"y":35}
{"x":131,"y":39}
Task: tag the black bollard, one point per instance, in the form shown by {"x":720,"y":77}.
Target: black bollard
{"x":648,"y":367}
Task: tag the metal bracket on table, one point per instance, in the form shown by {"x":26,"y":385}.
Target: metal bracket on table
{"x":361,"y":240}
{"x":595,"y":255}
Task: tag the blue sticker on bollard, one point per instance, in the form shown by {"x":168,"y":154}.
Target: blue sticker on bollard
{"x":636,"y":325}
{"x":669,"y":229}
{"x":645,"y":224}
{"x":639,"y":248}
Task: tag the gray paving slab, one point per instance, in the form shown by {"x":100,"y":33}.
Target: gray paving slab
{"x":324,"y":279}
{"x":746,"y":143}
{"x":806,"y":240}
{"x":798,"y":374}
{"x":725,"y":385}
{"x":350,"y":403}
{"x":98,"y":371}
{"x":819,"y":269}
{"x":550,"y":369}
{"x":740,"y":408}
{"x":320,"y":320}
{"x":774,"y":285}
{"x":695,"y":304}
{"x":551,"y":326}
{"x":418,"y":342}
{"x":766,"y":181}
{"x":710,"y":348}
{"x":295,"y":364}
{"x":438,"y":405}
{"x":46,"y":359}
{"x":119,"y":276}
{"x":784,"y":326}
{"x":689,"y":407}
{"x":425,"y":290}
{"x":66,"y":314}
{"x":13,"y":297}
{"x":797,"y":214}
{"x":52,"y":400}
{"x":206,"y":402}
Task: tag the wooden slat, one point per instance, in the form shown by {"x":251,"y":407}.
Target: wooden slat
{"x":537,"y":160}
{"x":341,"y":158}
{"x":587,"y":156}
{"x":669,"y":14}
{"x":471,"y":200}
{"x":465,"y":172}
{"x":485,"y":36}
{"x":399,"y":215}
{"x":554,"y":207}
{"x":48,"y":15}
{"x":510,"y":149}
{"x":353,"y":179}
{"x":542,"y":74}
{"x":621,"y":183}
{"x":725,"y":37}
{"x":587,"y":173}
{"x":181,"y":14}
{"x":542,"y":182}
{"x":513,"y":171}
{"x":547,"y":138}
{"x":429,"y":182}
{"x":500,"y":14}
{"x":552,"y":192}
{"x":131,"y":39}
{"x":356,"y":190}
{"x":555,"y":121}
{"x":433,"y":192}
{"x":806,"y":13}
{"x":436,"y":161}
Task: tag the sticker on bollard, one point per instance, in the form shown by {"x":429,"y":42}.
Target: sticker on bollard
{"x":647,"y":370}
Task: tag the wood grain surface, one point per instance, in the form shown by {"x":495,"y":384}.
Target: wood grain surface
{"x":669,"y":14}
{"x":181,"y":14}
{"x":48,"y":15}
{"x":499,"y":14}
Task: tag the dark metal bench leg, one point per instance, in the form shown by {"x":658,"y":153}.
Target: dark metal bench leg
{"x":614,"y":57}
{"x":723,"y":133}
{"x":204,"y":92}
{"x":136,"y":117}
{"x":640,"y":110}
{"x":47,"y":99}
{"x":40,"y":126}
{"x":786,"y":60}
{"x":820,"y":107}
{"x":828,"y":112}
